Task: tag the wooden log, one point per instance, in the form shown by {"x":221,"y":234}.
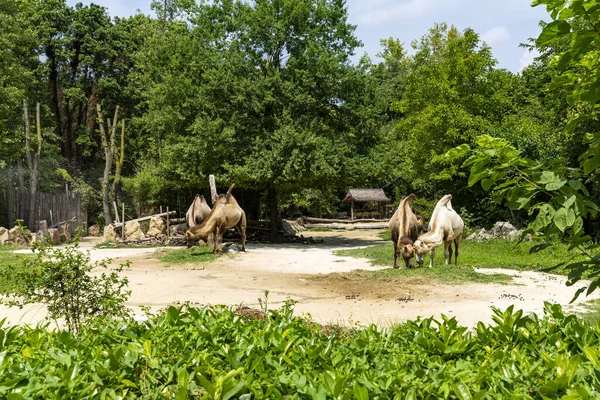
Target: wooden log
{"x":123,"y":221}
{"x":168,"y":225}
{"x":148,"y":217}
{"x":347,"y":226}
{"x":63,"y":222}
{"x":311,"y":220}
{"x":116,"y":212}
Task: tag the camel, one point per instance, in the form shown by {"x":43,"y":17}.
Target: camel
{"x":226,"y":214}
{"x":446,"y":227}
{"x":198,"y":211}
{"x":405,"y":227}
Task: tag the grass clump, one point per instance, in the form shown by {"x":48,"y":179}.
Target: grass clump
{"x":11,"y":266}
{"x":188,"y":256}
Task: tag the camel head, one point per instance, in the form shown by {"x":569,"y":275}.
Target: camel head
{"x":421,"y":249}
{"x":406,"y":250}
{"x":190,"y":238}
{"x":193,"y":234}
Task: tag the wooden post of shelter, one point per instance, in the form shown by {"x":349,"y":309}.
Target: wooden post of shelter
{"x":352,"y":211}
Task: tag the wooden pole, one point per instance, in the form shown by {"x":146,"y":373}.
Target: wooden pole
{"x":116,"y":211}
{"x":123,"y":221}
{"x":161,"y":209}
{"x":352,"y":211}
{"x":213,"y":189}
{"x":168,"y":233}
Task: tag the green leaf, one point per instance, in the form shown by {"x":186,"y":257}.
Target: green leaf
{"x":487,"y":183}
{"x":360,"y":392}
{"x":564,"y":218}
{"x":458,"y":152}
{"x":461,"y":391}
{"x":555,"y":185}
{"x":553,"y":31}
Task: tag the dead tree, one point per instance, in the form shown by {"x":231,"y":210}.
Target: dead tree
{"x":118,"y":164}
{"x":108,"y":144}
{"x":32,"y":159}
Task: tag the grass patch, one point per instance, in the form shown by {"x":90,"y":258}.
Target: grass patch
{"x":490,"y":254}
{"x":11,"y":264}
{"x":112,"y":245}
{"x":188,"y":256}
{"x":592,"y":313}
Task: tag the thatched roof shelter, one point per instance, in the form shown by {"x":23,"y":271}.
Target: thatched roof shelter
{"x":363,"y":195}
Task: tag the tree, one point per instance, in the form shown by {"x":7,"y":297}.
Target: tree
{"x":108,"y":144}
{"x":32,"y":159}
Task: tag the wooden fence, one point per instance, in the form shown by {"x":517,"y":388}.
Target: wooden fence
{"x":52,"y":207}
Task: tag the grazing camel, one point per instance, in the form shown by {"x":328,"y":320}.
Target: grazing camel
{"x":446,"y":227}
{"x":405,"y":228}
{"x":226,"y":214}
{"x":198,"y":211}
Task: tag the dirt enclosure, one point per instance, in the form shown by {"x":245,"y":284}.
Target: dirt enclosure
{"x":330,"y":288}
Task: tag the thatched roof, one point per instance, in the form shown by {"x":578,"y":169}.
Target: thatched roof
{"x":366,"y":195}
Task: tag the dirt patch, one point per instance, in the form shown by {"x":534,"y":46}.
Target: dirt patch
{"x":332,"y":289}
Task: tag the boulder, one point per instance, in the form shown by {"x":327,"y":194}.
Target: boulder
{"x":157,"y":227}
{"x":502,"y":230}
{"x":94,"y":230}
{"x":133,"y":231}
{"x":109,"y":234}
{"x":4,"y":236}
{"x":43,"y":228}
{"x":65,"y":236}
{"x":17,"y":236}
{"x":292,"y":228}
{"x":178,"y":230}
{"x":35,"y":238}
{"x":53,"y":236}
{"x":481,"y":236}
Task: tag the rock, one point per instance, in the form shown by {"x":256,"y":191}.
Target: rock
{"x":502,"y":229}
{"x":292,"y":228}
{"x":109,"y":234}
{"x":4,"y":236}
{"x":65,"y":236}
{"x":178,"y":230}
{"x":481,"y":236}
{"x":157,"y":227}
{"x":133,"y":231}
{"x":17,"y":236}
{"x":53,"y":236}
{"x":94,"y":230}
{"x":43,"y":228}
{"x":528,"y":238}
{"x":35,"y":238}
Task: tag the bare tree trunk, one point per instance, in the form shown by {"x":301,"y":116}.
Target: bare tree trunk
{"x":119,"y":164}
{"x":274,"y":212}
{"x":21,"y":178}
{"x":32,"y":160}
{"x":213,"y":189}
{"x":109,"y":151}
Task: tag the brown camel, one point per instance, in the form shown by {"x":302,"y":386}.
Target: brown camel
{"x":198,"y":211}
{"x":226,"y":214}
{"x":405,"y":230}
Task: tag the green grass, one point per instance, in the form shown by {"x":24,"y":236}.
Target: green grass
{"x":10,"y":264}
{"x":188,"y":256}
{"x":490,"y":254}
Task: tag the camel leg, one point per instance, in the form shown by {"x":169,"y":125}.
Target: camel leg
{"x":215,"y":240}
{"x":395,"y":241}
{"x":241,"y":226}
{"x":456,"y":243}
{"x":431,"y":255}
{"x":448,"y":252}
{"x":220,"y":233}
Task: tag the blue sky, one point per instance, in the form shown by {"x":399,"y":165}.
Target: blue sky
{"x":503,"y":24}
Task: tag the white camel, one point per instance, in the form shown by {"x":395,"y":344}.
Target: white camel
{"x":446,"y":227}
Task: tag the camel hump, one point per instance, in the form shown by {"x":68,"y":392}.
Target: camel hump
{"x":411,"y":197}
{"x":230,"y":189}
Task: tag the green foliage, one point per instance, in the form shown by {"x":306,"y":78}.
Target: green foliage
{"x":215,"y":354}
{"x":61,"y":279}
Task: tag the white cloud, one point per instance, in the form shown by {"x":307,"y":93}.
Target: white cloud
{"x":527,"y":58}
{"x":379,"y":11}
{"x":495,"y":35}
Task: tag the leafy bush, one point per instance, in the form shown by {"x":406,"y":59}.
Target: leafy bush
{"x":214,"y":353}
{"x":61,"y":279}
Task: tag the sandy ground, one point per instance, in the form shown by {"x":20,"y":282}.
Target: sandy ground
{"x":304,"y":273}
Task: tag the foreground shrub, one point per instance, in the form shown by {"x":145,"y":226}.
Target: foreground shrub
{"x":215,"y":354}
{"x":62,"y":280}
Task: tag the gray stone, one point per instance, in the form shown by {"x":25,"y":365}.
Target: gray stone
{"x":292,"y":228}
{"x":35,"y":238}
{"x":178,"y":230}
{"x":157,"y":227}
{"x":480,"y":236}
{"x":43,"y":227}
{"x":133,"y":231}
{"x":502,"y":229}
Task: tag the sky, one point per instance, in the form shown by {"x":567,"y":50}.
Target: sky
{"x":502,"y":24}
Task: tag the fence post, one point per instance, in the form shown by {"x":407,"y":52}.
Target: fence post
{"x":168,"y":230}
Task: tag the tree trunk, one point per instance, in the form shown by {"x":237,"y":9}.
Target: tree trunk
{"x":21,"y":178}
{"x":274,"y":212}
{"x":213,"y":189}
{"x":109,"y":147}
{"x":119,"y":165}
{"x":32,"y":160}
